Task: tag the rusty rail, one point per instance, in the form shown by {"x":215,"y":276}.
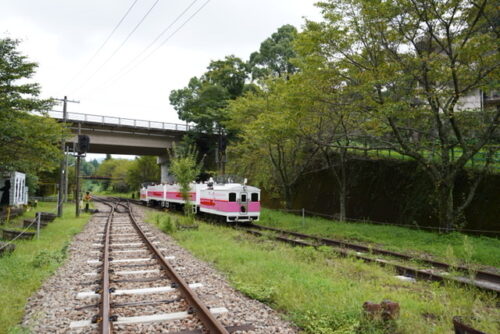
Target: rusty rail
{"x":461,"y":328}
{"x":479,"y":274}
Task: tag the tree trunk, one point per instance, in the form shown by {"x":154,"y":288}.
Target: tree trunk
{"x":342,"y":202}
{"x":445,"y":204}
{"x":288,"y":197}
{"x":343,"y":186}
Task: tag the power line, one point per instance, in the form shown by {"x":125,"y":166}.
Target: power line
{"x":171,"y":35}
{"x":120,"y":75}
{"x":103,"y":44}
{"x":120,"y":46}
{"x":158,"y":37}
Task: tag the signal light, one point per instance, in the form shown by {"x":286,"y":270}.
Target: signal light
{"x":83,"y":144}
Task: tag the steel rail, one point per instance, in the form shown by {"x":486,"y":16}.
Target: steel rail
{"x":204,"y":314}
{"x":105,"y":325}
{"x":479,"y":274}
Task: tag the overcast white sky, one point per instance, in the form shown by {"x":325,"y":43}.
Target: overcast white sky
{"x":62,"y":35}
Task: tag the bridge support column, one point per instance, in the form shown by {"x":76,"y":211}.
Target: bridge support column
{"x":163,"y":162}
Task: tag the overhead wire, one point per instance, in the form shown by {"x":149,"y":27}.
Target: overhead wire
{"x":122,"y":73}
{"x":103,"y":44}
{"x":158,"y":37}
{"x":119,"y":47}
{"x":172,"y":34}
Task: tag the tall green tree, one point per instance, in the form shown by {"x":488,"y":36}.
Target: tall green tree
{"x":120,"y":174}
{"x":270,"y":148}
{"x":275,"y":55}
{"x":205,"y":99}
{"x":28,"y":142}
{"x":117,"y":170}
{"x":412,"y":66}
{"x":324,"y":122}
{"x":143,"y":169}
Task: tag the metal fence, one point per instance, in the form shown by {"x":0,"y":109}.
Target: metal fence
{"x":307,"y":213}
{"x":112,"y":120}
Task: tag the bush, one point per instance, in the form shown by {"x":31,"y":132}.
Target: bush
{"x":166,"y":224}
{"x":45,"y":258}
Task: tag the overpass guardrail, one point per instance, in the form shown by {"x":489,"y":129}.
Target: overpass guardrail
{"x":113,"y":120}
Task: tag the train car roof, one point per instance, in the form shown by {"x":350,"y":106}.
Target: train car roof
{"x":234,"y":187}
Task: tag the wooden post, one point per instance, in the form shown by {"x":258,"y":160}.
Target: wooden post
{"x":8,"y":215}
{"x":38,"y":217}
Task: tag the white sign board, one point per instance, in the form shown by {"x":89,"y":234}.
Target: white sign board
{"x":15,"y":184}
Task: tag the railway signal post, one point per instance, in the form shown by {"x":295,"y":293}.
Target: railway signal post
{"x":63,"y":170}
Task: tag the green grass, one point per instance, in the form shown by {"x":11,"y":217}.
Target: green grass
{"x":453,"y":247}
{"x":24,"y":271}
{"x":324,"y":294}
{"x":477,"y":160}
{"x":115,"y":194}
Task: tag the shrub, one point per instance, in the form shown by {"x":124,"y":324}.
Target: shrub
{"x":166,"y":224}
{"x":45,"y":258}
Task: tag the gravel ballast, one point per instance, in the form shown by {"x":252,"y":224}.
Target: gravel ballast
{"x":54,"y":306}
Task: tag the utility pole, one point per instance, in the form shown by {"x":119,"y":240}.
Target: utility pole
{"x":66,"y":182}
{"x":77,"y":191}
{"x":63,"y":170}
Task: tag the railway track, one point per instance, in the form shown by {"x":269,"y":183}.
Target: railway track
{"x":134,"y":276}
{"x":432,"y":270}
{"x":425,"y":269}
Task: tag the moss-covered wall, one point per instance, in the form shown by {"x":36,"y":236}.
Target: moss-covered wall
{"x":396,"y":192}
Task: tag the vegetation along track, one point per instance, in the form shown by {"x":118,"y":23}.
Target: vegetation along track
{"x":433,"y":270}
{"x":429,"y":269}
{"x":122,"y":234}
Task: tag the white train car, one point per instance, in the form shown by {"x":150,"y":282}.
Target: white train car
{"x":236,"y":202}
{"x":232,"y":202}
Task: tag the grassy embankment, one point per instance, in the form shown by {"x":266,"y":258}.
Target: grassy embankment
{"x":111,"y":193}
{"x":24,"y":271}
{"x":453,"y":247}
{"x":323,"y":293}
{"x":477,"y":160}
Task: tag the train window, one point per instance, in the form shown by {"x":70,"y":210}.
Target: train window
{"x":255,"y":197}
{"x":243,"y":197}
{"x":232,"y":197}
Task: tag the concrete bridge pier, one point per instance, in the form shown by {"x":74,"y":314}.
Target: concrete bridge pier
{"x":163,"y":162}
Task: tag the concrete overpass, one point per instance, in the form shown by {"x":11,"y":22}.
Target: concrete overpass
{"x":116,"y":135}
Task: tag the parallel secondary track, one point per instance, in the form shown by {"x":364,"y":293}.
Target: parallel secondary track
{"x":483,"y":280}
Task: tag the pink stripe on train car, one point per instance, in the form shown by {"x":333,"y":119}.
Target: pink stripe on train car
{"x":225,"y":206}
{"x":178,"y":196}
{"x":155,"y":193}
{"x":254,"y":207}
